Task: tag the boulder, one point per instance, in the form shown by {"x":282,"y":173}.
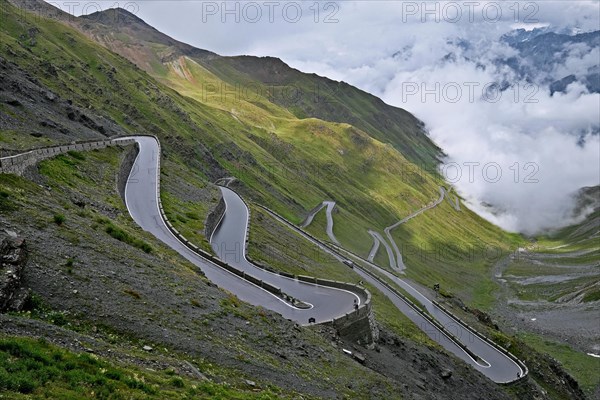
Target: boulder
{"x":446,"y":374}
{"x":13,"y":258}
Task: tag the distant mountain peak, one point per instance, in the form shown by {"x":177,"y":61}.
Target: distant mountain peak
{"x":523,"y":35}
{"x":103,"y":25}
{"x":115,"y":16}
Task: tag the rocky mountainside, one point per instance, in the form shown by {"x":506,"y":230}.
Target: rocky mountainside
{"x":588,"y":198}
{"x":542,"y":51}
{"x":13,"y":258}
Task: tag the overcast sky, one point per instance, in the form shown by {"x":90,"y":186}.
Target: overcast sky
{"x":542,"y":144}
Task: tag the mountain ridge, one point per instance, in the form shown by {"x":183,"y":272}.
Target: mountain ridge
{"x":317,"y":96}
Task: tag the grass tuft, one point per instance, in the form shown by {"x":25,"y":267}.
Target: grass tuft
{"x":121,"y":235}
{"x":59,"y":219}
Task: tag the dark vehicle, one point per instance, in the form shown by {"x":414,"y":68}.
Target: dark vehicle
{"x":349,"y":263}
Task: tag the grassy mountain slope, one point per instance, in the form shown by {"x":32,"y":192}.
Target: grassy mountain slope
{"x":31,"y":367}
{"x":121,"y":300}
{"x":63,"y":86}
{"x":284,"y":162}
{"x":310,"y":95}
{"x":304,"y":95}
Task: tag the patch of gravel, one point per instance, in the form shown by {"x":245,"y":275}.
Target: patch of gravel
{"x":577,"y":324}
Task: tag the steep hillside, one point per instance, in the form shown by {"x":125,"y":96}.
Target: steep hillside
{"x":305,"y":95}
{"x":310,"y":95}
{"x":284,"y":162}
{"x":59,"y":85}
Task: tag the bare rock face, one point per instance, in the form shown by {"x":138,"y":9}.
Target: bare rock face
{"x":13,"y":258}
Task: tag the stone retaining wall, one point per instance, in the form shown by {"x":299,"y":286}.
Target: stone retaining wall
{"x":214,"y":218}
{"x":18,"y":163}
{"x":125,"y":170}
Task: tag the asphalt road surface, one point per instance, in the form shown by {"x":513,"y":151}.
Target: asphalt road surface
{"x":228,"y":242}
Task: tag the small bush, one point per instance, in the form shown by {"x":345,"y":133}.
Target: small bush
{"x":69,"y":264}
{"x":145,"y":247}
{"x":114,"y":374}
{"x":34,"y":302}
{"x":177,"y":382}
{"x":59,"y":219}
{"x":58,"y":318}
{"x":5,"y":202}
{"x":195,"y":303}
{"x":26,"y":385}
{"x":116,"y":233}
{"x":123,"y":236}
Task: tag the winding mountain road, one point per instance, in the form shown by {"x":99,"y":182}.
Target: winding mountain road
{"x":330,"y":205}
{"x":378,"y":239}
{"x":400,"y":267}
{"x":141,"y":198}
{"x":490,"y":361}
{"x":228,"y":242}
{"x":229,"y":239}
{"x":376,"y":244}
{"x":453,"y":203}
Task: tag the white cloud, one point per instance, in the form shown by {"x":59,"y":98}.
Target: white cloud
{"x":531,"y":138}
